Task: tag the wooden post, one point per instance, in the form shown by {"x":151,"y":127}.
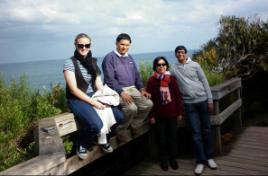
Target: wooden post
{"x":218,"y":146}
{"x":240,"y":109}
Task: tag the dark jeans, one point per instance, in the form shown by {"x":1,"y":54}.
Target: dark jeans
{"x":89,"y":120}
{"x":199,"y":121}
{"x":166,"y":130}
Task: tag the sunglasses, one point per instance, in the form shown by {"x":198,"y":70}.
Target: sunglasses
{"x":81,"y":46}
{"x":159,"y":65}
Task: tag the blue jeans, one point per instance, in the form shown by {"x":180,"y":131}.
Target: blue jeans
{"x":199,"y":121}
{"x":90,"y":121}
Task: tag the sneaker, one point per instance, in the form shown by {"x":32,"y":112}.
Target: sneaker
{"x":173,"y":164}
{"x":164,"y":165}
{"x":199,"y":168}
{"x":81,"y":152}
{"x":211,"y":164}
{"x":107,"y":148}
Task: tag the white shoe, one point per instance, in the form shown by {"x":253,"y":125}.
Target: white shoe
{"x":212,"y":164}
{"x":81,"y":152}
{"x":199,"y":168}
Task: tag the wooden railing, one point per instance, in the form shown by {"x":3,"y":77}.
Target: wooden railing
{"x":218,"y":118}
{"x":52,"y":158}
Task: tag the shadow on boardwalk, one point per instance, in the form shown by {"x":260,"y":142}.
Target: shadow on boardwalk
{"x":249,"y":156}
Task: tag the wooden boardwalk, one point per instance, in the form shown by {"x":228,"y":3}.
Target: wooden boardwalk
{"x":248,"y":156}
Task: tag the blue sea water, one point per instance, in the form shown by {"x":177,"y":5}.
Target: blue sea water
{"x":43,"y":75}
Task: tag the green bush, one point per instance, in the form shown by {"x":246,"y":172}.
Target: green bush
{"x":20,"y":108}
{"x":213,"y":77}
{"x":146,"y":70}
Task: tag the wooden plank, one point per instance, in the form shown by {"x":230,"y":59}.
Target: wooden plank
{"x":66,"y":123}
{"x":221,"y":90}
{"x":49,"y":139}
{"x":239,"y":159}
{"x":247,"y":157}
{"x":251,"y":147}
{"x":242,"y":165}
{"x":252,"y":153}
{"x":220,"y":118}
{"x":40,"y":165}
{"x":243,"y":159}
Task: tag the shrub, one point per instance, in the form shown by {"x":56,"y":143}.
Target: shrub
{"x":146,"y":70}
{"x":20,"y":108}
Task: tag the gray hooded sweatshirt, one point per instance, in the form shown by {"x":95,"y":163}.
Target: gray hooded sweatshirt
{"x":192,"y":82}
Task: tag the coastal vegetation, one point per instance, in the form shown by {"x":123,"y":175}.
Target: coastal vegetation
{"x":240,"y":49}
{"x":20,"y":110}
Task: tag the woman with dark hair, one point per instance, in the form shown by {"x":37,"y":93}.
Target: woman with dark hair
{"x":82,"y":77}
{"x":166,"y":111}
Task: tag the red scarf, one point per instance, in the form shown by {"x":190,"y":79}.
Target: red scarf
{"x":164,"y":89}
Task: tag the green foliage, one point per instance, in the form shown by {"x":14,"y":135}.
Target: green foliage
{"x":57,"y":97}
{"x":146,"y":70}
{"x":20,"y":108}
{"x":213,"y":77}
{"x":240,"y":49}
{"x":68,"y":145}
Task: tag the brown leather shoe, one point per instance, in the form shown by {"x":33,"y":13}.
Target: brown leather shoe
{"x":121,"y":138}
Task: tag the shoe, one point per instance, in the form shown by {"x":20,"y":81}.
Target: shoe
{"x":211,"y":164}
{"x":107,"y":148}
{"x":81,"y":152}
{"x":173,"y":164}
{"x":164,"y":165}
{"x":199,"y":168}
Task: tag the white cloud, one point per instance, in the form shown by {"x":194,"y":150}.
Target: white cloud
{"x":155,"y":25}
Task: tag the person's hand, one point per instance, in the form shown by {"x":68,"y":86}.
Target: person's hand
{"x":210,"y":107}
{"x":126,"y":98}
{"x":99,"y":105}
{"x":179,"y":117}
{"x":146,"y":94}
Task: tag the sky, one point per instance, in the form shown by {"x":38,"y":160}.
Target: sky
{"x":45,"y":29}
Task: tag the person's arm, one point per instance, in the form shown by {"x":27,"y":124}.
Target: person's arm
{"x":98,"y":83}
{"x":203,"y":79}
{"x":72,"y":85}
{"x":177,"y":98}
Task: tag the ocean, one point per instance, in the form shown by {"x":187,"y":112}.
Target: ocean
{"x":43,"y":75}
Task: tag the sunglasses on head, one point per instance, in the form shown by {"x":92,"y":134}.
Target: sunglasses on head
{"x":159,"y":65}
{"x":81,"y":46}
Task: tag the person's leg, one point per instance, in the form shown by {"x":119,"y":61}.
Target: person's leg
{"x":162,"y":143}
{"x":172,"y":127}
{"x":88,"y":117}
{"x":194,"y":122}
{"x":119,"y":116}
{"x":144,"y":105}
{"x":129,"y":111}
{"x":206,"y":129}
{"x":172,"y":137}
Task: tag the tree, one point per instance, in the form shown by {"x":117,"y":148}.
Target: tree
{"x":241,"y":46}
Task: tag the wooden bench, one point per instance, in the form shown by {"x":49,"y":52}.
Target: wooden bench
{"x":52,"y":158}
